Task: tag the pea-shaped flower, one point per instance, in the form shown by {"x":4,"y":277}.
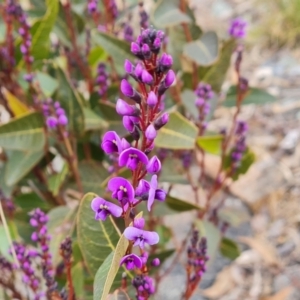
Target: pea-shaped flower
{"x":103,"y":209}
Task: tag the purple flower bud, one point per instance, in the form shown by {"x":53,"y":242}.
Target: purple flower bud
{"x":199,"y":102}
{"x":135,"y":48}
{"x":128,"y":123}
{"x":146,"y":51}
{"x":22,"y":31}
{"x":165,"y":62}
{"x":167,"y":82}
{"x":147,"y":77}
{"x":156,"y":45}
{"x":155,"y":262}
{"x":60,"y":111}
{"x":63,"y":120}
{"x":152,"y":99}
{"x":130,"y":92}
{"x":124,"y":109}
{"x":144,"y":257}
{"x":33,"y":222}
{"x":28,"y":77}
{"x":51,"y":122}
{"x":138,"y":70}
{"x":150,"y":132}
{"x":92,"y":7}
{"x":161,"y":121}
{"x":139,"y":223}
{"x":128,"y":67}
{"x":24,"y":49}
{"x":34,"y":237}
{"x":154,"y":165}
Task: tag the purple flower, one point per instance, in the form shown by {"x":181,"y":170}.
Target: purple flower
{"x":128,"y":67}
{"x":131,"y":261}
{"x":63,"y":120}
{"x":143,"y":188}
{"x":152,"y":99}
{"x":51,"y":122}
{"x":104,"y":208}
{"x":155,"y":193}
{"x":146,"y":51}
{"x":135,"y":48}
{"x":147,"y":77}
{"x":111,"y":142}
{"x":141,"y":237}
{"x":167,"y":82}
{"x":237,"y":28}
{"x":150,"y":132}
{"x":154,"y":165}
{"x":128,"y":123}
{"x":124,"y":109}
{"x":138,"y":71}
{"x":165,"y":62}
{"x":121,"y":189}
{"x":139,"y":223}
{"x":155,"y":262}
{"x":130,"y":92}
{"x":161,"y":121}
{"x":131,"y":158}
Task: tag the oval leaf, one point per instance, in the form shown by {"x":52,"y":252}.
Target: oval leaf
{"x":204,"y":51}
{"x":180,"y":205}
{"x":93,"y":121}
{"x":178,"y":133}
{"x":210,"y":143}
{"x":229,"y":248}
{"x":167,"y":13}
{"x":253,"y":96}
{"x":47,"y":83}
{"x":24,"y":133}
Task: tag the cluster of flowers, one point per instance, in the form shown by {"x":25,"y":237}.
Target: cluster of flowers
{"x":237,"y":28}
{"x":240,"y":144}
{"x":142,"y":120}
{"x":204,"y":93}
{"x":55,"y":115}
{"x":102,"y":79}
{"x":197,"y":258}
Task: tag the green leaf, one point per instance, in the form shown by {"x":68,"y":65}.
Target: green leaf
{"x":72,"y":102}
{"x":108,"y":270}
{"x":23,"y":133}
{"x":41,"y":30}
{"x":60,"y":225}
{"x":180,"y":205}
{"x":92,"y":120}
{"x":247,"y":160}
{"x":47,"y":83}
{"x":188,"y":98}
{"x":30,"y":201}
{"x":97,"y":55}
{"x":204,"y":51}
{"x":20,"y":164}
{"x":229,"y":248}
{"x":96,"y":239}
{"x":5,"y":189}
{"x":108,"y":112}
{"x":178,"y":133}
{"x":55,"y":181}
{"x":118,"y":49}
{"x":213,"y":237}
{"x":173,"y":171}
{"x":4,"y":244}
{"x":210,"y":143}
{"x":234,"y":216}
{"x":253,"y":96}
{"x":78,"y":279}
{"x":166,"y":13}
{"x":215,"y":75}
{"x":92,"y":174}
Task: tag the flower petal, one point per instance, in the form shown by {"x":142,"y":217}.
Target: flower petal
{"x":96,"y":202}
{"x":115,"y":183}
{"x":114,"y":209}
{"x":132,"y":233}
{"x":151,"y":237}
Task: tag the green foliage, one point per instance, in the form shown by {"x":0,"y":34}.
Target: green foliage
{"x":55,"y":181}
{"x":210,"y":143}
{"x":47,"y":83}
{"x":229,"y":248}
{"x":41,"y":30}
{"x":247,"y":160}
{"x":253,"y":96}
{"x":178,"y":133}
{"x":24,"y":133}
{"x":166,"y":13}
{"x":180,"y":205}
{"x":204,"y":51}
